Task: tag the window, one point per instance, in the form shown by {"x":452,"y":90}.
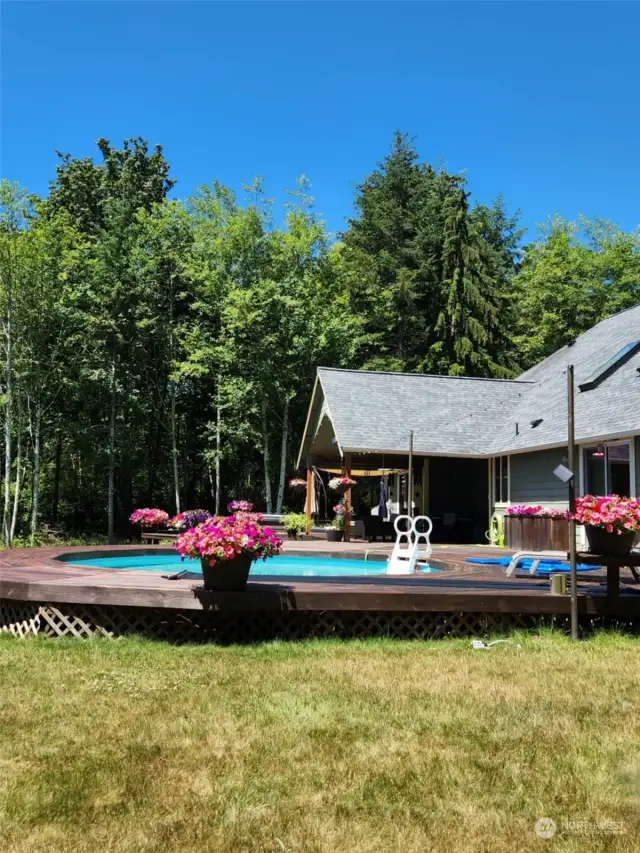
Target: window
{"x":501,"y":480}
{"x":607,"y":469}
{"x":608,"y":367}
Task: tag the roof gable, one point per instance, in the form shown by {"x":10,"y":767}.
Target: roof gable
{"x":373,"y":411}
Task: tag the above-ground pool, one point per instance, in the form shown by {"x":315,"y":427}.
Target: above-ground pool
{"x":282,"y":566}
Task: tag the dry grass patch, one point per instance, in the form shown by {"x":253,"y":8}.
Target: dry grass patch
{"x":322,"y":747}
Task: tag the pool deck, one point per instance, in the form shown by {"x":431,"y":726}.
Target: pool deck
{"x":37,"y":576}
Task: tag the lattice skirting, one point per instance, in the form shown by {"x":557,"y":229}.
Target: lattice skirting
{"x":82,"y":621}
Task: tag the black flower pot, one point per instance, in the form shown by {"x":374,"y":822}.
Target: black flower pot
{"x":609,"y":544}
{"x":227,"y":574}
{"x":292,"y":534}
{"x":334,"y":535}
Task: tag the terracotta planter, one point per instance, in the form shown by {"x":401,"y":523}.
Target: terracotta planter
{"x":609,"y":544}
{"x":334,"y":535}
{"x":229,"y":574}
{"x":531,"y":533}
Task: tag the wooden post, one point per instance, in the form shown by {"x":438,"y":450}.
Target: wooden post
{"x":347,"y":499}
{"x":410,"y":477}
{"x":572,"y":503}
{"x":308,"y":504}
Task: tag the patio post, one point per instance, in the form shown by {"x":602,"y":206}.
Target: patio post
{"x":346,"y":469}
{"x":308,"y":504}
{"x":410,"y":477}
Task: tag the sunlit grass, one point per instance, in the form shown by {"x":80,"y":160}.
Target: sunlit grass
{"x":322,"y":747}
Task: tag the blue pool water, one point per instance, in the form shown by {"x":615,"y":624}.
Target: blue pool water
{"x":282,"y":566}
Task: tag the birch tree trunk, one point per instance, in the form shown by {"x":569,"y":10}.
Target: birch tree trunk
{"x":218,"y":430}
{"x":8,"y":461}
{"x":283,"y":456}
{"x":174,"y":448}
{"x":266,"y":459}
{"x":112,"y":458}
{"x":56,"y":479}
{"x":16,"y":494}
{"x":174,"y":441}
{"x":35,"y":499}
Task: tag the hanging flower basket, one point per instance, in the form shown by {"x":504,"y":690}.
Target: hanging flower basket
{"x":341,"y":484}
{"x":226,"y":547}
{"x":611,"y":523}
{"x":149,"y":518}
{"x":240,"y":506}
{"x":298,"y":485}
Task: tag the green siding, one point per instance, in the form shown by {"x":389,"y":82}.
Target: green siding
{"x":532,"y":478}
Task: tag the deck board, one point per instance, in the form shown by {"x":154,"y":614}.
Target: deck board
{"x":37,"y":576}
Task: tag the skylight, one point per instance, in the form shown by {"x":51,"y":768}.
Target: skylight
{"x":608,"y":367}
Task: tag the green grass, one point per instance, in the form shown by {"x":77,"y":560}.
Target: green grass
{"x":132,"y":746}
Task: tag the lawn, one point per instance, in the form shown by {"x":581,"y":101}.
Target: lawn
{"x":322,"y":747}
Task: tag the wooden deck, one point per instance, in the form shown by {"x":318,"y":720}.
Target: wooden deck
{"x":38,"y":576}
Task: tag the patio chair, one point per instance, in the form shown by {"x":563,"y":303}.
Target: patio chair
{"x":536,"y":558}
{"x":449,"y":522}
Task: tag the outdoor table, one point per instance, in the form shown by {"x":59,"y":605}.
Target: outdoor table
{"x":613,"y":566}
{"x":154,"y":537}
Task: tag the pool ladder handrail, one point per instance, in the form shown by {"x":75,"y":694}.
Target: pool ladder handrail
{"x":412,"y":546}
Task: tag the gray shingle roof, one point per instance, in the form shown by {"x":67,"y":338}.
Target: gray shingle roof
{"x":450,"y":415}
{"x":373,"y":411}
{"x":612,"y":408}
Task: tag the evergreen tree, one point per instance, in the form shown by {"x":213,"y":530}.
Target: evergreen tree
{"x":428,"y":275}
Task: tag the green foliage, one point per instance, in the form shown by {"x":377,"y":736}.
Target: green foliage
{"x":295,"y":522}
{"x":164,"y":351}
{"x":428,"y":275}
{"x":574,"y":275}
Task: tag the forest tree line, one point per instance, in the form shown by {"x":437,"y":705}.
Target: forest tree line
{"x":161,"y":352}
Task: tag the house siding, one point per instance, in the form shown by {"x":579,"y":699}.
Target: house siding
{"x":533,"y":480}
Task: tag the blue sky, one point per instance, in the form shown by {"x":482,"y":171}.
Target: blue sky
{"x":534,"y":100}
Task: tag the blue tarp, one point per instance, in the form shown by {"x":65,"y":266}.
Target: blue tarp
{"x":544,"y":568}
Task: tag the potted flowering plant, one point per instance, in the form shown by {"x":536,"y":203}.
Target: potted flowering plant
{"x":524,"y":511}
{"x":297,"y":484}
{"x":149,"y":518}
{"x":341,"y":484}
{"x":335,"y":530}
{"x":226,"y":547}
{"x":189,"y":518}
{"x":537,"y":528}
{"x":610,"y":522}
{"x":295,"y":523}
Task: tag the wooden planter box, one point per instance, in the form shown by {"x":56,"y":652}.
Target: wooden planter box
{"x":536,"y":534}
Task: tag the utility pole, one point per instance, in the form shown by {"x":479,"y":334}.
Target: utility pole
{"x":572,"y":503}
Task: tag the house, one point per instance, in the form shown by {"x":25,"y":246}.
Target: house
{"x":482,"y":444}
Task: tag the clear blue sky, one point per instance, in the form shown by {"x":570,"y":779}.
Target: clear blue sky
{"x":537,"y":100}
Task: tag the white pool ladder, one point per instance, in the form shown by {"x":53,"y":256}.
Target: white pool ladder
{"x":412,"y":545}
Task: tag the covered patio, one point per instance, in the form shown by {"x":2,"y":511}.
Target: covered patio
{"x":424,"y":438}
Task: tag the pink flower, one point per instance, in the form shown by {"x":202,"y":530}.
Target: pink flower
{"x":149,"y":517}
{"x":613,"y":513}
{"x":221,"y":539}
